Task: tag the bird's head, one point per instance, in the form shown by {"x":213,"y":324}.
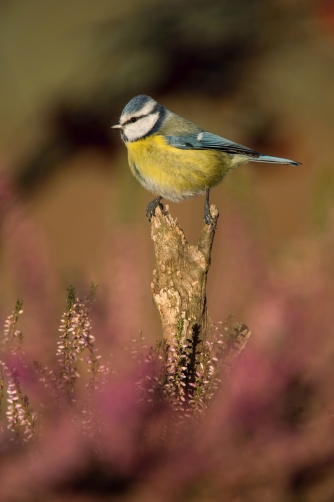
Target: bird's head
{"x":139,"y":118}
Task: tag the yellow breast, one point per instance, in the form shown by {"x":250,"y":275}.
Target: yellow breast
{"x":173,"y":173}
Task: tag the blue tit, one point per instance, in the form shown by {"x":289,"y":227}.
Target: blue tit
{"x":174,"y":158}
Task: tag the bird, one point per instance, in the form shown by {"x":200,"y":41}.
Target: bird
{"x":174,"y":158}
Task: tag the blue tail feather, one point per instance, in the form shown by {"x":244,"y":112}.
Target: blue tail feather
{"x":274,"y":160}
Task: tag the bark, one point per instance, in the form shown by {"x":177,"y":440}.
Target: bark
{"x":179,"y":280}
{"x":179,"y":286}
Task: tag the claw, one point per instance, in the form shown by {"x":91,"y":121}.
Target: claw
{"x":208,"y":218}
{"x":151,"y":207}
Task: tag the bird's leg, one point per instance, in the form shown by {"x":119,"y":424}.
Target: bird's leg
{"x":209,"y":220}
{"x":151,"y":207}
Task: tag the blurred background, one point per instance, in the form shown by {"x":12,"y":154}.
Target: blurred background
{"x":257,"y":72}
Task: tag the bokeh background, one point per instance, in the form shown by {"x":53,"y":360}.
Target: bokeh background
{"x":258,"y":72}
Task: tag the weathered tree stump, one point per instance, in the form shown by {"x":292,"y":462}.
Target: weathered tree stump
{"x":179,"y":280}
{"x":179,"y":290}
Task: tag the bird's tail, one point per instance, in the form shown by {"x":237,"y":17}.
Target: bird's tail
{"x":274,"y":160}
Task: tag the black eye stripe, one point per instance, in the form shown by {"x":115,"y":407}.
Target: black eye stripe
{"x":129,"y":121}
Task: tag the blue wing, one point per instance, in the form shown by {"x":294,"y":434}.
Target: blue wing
{"x":207,"y":141}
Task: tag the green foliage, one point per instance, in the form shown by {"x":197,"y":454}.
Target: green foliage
{"x":92,"y":291}
{"x":180,"y":324}
{"x":70,"y":297}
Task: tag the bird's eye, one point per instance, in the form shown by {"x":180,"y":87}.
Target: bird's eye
{"x":133,"y":119}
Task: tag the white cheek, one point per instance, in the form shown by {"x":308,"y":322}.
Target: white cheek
{"x":141,"y":127}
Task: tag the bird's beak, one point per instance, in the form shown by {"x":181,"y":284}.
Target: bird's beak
{"x":117,"y":126}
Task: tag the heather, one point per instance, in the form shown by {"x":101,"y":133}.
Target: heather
{"x":114,"y":416}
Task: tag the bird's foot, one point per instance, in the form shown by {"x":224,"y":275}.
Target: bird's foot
{"x":151,"y":207}
{"x":208,"y":218}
